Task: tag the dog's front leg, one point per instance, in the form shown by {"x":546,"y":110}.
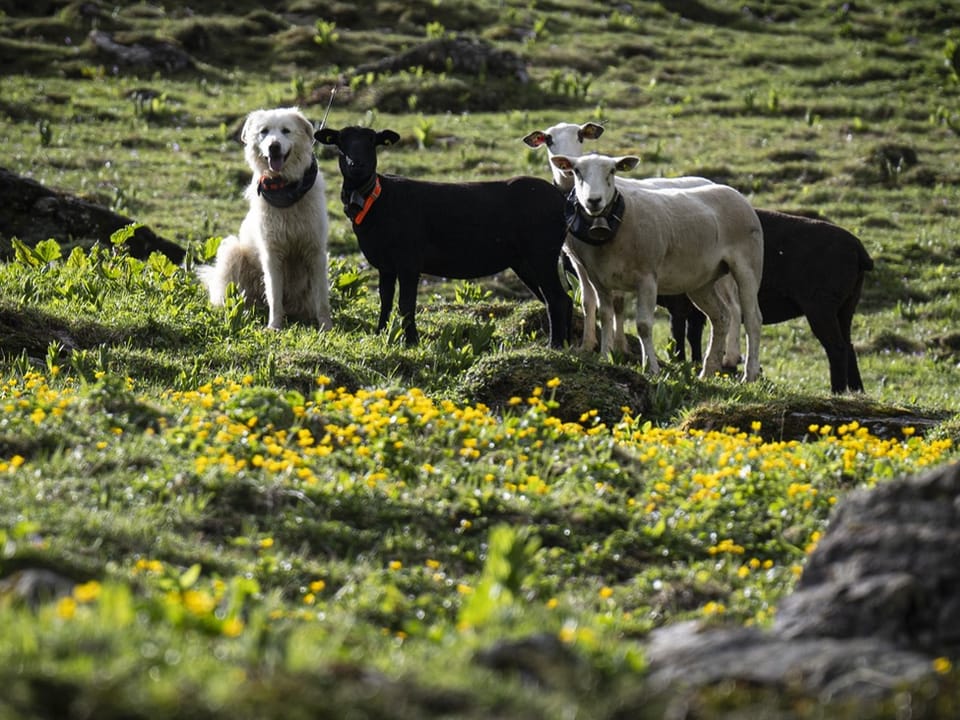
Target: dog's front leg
{"x":273,"y":287}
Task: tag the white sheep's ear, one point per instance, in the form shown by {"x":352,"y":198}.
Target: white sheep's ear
{"x":327,"y":136}
{"x":627,"y":162}
{"x":590,"y":131}
{"x":536,"y":138}
{"x":563,"y":164}
{"x":387,"y":137}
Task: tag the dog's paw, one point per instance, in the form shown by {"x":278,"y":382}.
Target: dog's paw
{"x":325,"y":324}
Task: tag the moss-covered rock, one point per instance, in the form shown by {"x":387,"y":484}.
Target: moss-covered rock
{"x":585,"y":383}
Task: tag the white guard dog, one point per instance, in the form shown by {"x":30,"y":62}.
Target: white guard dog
{"x":281,"y":251}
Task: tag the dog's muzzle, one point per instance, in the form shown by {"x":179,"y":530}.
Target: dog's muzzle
{"x":276,"y":157}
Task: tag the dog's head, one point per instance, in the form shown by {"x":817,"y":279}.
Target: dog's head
{"x":278,"y":142}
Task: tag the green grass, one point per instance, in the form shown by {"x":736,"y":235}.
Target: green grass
{"x":241,"y":517}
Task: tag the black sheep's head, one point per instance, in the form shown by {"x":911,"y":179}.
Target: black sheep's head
{"x":358,"y":149}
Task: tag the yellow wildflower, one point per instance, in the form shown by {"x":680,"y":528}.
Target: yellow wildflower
{"x":232,"y":627}
{"x":86,"y":592}
{"x":942,"y":665}
{"x":66,"y":608}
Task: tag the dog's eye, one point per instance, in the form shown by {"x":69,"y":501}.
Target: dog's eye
{"x":286,"y":131}
{"x":263,"y":132}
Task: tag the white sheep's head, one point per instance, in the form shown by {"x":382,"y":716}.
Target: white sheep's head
{"x":594,"y":178}
{"x":563,"y":139}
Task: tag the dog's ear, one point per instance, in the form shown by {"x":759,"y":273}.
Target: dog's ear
{"x":387,"y":137}
{"x":248,"y":126}
{"x":327,"y":136}
{"x":307,"y":126}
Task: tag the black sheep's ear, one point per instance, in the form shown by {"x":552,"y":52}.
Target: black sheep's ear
{"x":387,"y":137}
{"x":327,"y":136}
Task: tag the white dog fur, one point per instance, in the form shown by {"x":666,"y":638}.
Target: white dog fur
{"x":280,"y":253}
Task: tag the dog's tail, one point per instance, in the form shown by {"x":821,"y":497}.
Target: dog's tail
{"x":237,"y":262}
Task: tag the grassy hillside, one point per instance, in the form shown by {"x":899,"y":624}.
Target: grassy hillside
{"x":200,"y":514}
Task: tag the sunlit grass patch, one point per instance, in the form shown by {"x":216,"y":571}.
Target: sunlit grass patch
{"x":610,"y":503}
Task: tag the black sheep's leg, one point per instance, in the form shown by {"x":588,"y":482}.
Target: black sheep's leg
{"x":679,"y":307}
{"x":695,"y":324}
{"x":388,"y":285}
{"x":408,"y":306}
{"x":845,"y":318}
{"x":560,"y":312}
{"x":678,"y":331}
{"x":826,"y":328}
{"x":854,"y":381}
{"x":550,"y":291}
{"x":686,"y":326}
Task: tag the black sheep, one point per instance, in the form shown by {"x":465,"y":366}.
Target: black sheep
{"x":811,"y":268}
{"x":465,"y":230}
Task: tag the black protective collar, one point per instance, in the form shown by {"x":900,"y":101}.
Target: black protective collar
{"x":282,"y":194}
{"x":356,"y":203}
{"x":593,"y":230}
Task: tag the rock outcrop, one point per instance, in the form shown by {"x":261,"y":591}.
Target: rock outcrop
{"x":878,"y":602}
{"x":33,"y":212}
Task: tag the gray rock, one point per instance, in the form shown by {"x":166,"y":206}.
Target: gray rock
{"x":888,"y":567}
{"x":878,"y":600}
{"x":687,"y":654}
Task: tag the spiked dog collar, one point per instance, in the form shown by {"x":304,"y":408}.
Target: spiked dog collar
{"x":593,"y":230}
{"x":281,"y":193}
{"x":357,"y":203}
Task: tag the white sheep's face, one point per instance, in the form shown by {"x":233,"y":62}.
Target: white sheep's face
{"x":563,"y":139}
{"x":594,"y":178}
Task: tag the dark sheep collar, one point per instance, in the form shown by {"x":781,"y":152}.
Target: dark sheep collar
{"x":357,"y":203}
{"x":281,"y":193}
{"x":593,"y":230}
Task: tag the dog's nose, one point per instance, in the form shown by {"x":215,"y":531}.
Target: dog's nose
{"x":274,"y":148}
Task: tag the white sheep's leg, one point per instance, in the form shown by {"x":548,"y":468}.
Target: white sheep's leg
{"x":619,"y":322}
{"x":749,"y":286}
{"x":730,"y":294}
{"x":605,"y":298}
{"x":646,"y":304}
{"x":588,"y":302}
{"x":708,"y":300}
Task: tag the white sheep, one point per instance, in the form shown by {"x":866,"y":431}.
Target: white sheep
{"x":668,"y":240}
{"x":567,"y":139}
